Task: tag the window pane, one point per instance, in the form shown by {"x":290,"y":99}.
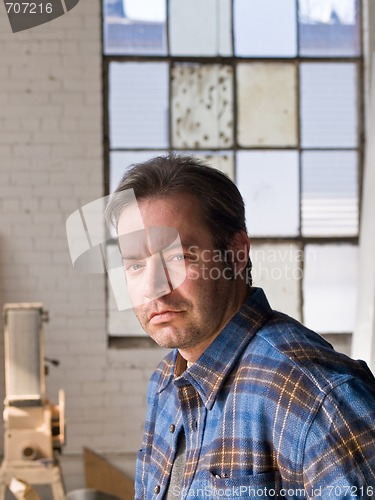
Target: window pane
{"x":138,"y":105}
{"x":329,"y":193}
{"x":330,"y":287}
{"x":134,"y":27}
{"x":278,"y":269}
{"x":267,"y":109}
{"x":269,"y":183}
{"x":329,"y":28}
{"x":202,"y":107}
{"x":199,"y":28}
{"x":120,"y":161}
{"x":265,"y":28}
{"x":328,"y":105}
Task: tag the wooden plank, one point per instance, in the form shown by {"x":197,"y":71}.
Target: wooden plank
{"x":103,"y":476}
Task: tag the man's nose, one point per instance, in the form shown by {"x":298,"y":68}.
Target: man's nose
{"x":156,"y":283}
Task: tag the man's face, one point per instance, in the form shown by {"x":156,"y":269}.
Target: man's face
{"x":155,"y":261}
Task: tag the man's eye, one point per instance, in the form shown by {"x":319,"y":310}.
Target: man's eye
{"x":178,"y":257}
{"x":133,"y":267}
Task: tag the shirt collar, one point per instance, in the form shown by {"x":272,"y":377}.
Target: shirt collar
{"x":208,"y":373}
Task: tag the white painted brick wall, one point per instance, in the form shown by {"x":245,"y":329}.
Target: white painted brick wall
{"x":50,"y":164}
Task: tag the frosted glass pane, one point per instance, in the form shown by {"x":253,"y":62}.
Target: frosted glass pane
{"x":269,"y":183}
{"x":134,"y":27}
{"x":277,"y":268}
{"x":330,"y":287}
{"x":199,"y":28}
{"x":328,"y":105}
{"x":329,"y":193}
{"x":202,"y":106}
{"x":138,"y":105}
{"x":120,"y":161}
{"x":267,"y":108}
{"x":329,"y":28}
{"x":265,"y":28}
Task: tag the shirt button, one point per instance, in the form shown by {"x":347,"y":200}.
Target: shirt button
{"x":157,"y":489}
{"x":172,"y":428}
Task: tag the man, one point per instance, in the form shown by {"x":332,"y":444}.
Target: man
{"x":249,"y":403}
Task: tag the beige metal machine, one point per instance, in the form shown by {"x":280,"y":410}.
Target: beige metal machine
{"x":33,"y":427}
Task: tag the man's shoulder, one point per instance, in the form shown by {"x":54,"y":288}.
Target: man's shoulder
{"x":290,"y":347}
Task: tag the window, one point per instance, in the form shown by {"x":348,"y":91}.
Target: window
{"x":270,"y":93}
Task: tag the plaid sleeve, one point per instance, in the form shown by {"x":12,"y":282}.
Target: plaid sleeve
{"x":339,"y":455}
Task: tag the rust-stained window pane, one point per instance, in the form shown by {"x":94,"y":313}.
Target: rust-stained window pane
{"x":330,"y":277}
{"x":202,"y":108}
{"x":329,"y":29}
{"x":200,"y":28}
{"x":269,"y":183}
{"x":329,"y":105}
{"x":265,"y":28}
{"x":329,"y":193}
{"x":134,"y":27}
{"x":277,"y":267}
{"x":138,"y":105}
{"x":267,"y":104}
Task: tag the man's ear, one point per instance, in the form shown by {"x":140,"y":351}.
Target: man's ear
{"x":240,"y":247}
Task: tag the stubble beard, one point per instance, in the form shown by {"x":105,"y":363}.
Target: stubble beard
{"x":167,"y":335}
{"x":195,"y":330}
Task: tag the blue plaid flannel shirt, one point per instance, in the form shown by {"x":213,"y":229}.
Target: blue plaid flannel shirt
{"x":269,"y":410}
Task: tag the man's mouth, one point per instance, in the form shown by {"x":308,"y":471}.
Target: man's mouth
{"x":163,"y":316}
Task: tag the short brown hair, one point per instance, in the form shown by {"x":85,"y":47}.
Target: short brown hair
{"x":222,"y":205}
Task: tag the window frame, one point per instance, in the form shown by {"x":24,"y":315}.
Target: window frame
{"x":233,"y":60}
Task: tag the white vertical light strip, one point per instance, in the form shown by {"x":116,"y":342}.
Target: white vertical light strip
{"x":363,"y":345}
